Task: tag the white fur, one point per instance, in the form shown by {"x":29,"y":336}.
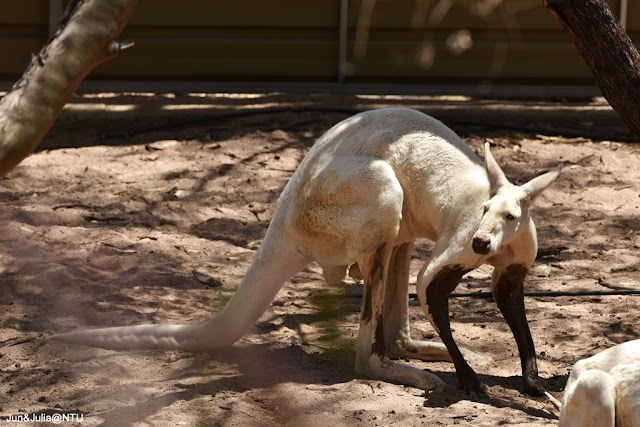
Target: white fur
{"x":366,"y":190}
{"x":604,"y":390}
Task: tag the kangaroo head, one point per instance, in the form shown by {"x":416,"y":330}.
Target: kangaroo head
{"x":506,"y":213}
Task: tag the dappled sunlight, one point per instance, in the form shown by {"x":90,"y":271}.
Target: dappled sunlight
{"x":154,"y":219}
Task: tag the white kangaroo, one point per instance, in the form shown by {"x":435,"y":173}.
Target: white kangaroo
{"x":604,"y":390}
{"x":365,"y":191}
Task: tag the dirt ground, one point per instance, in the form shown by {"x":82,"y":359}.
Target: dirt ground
{"x":147,"y":208}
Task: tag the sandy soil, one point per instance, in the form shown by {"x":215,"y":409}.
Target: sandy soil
{"x":148,"y":208}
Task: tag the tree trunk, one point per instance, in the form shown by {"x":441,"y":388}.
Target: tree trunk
{"x":607,"y":50}
{"x":86,"y":38}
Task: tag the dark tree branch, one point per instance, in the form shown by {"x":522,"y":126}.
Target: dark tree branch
{"x":607,"y":50}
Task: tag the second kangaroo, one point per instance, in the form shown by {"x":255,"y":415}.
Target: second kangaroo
{"x":366,"y":190}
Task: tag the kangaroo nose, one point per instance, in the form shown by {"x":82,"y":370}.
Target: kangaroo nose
{"x":481,"y":245}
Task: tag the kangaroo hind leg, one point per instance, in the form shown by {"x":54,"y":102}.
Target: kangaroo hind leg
{"x":371,"y":360}
{"x":355,"y":215}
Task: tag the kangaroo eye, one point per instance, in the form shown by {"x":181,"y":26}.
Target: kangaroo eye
{"x":485,"y":208}
{"x":510,"y":217}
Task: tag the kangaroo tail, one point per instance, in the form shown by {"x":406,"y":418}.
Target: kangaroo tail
{"x":141,"y":337}
{"x":275,"y":262}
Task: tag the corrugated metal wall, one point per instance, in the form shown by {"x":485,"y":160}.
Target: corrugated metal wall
{"x":464,"y":40}
{"x":390,"y":41}
{"x":236,"y":40}
{"x":23,"y":30}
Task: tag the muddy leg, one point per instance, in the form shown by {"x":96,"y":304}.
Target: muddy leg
{"x":507,"y":287}
{"x":399,"y":343}
{"x":439,"y":284}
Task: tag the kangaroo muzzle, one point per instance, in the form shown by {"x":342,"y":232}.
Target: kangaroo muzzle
{"x":481,"y":244}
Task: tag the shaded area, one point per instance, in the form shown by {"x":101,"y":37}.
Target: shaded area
{"x":114,"y":119}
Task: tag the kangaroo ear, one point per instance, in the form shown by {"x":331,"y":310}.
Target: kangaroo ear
{"x":537,"y":185}
{"x":495,"y":174}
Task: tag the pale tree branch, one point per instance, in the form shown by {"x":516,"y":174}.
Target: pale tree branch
{"x":86,"y":37}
